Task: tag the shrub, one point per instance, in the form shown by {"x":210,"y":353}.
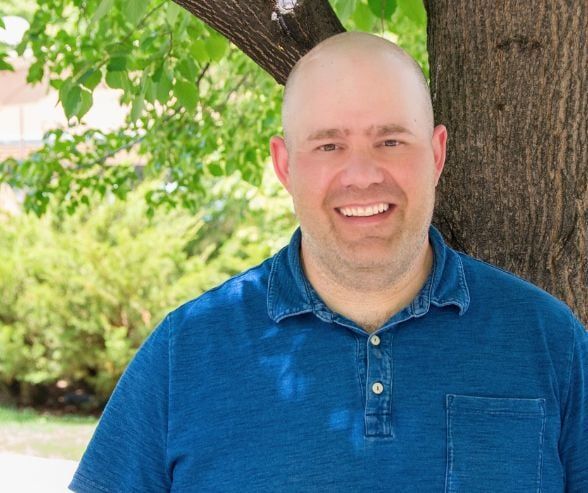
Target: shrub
{"x":79,"y":294}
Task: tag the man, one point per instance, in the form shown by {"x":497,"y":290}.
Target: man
{"x":366,"y":355}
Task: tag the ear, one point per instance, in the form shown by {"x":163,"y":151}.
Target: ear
{"x":279,"y":154}
{"x":439,"y":149}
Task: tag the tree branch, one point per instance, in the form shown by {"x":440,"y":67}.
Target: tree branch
{"x":275,"y":34}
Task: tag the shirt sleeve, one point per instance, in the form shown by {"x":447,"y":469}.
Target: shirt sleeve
{"x":574,"y":432}
{"x":128,"y":450}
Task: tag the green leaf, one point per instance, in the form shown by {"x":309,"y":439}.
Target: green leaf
{"x":187,"y":94}
{"x":414,"y":10}
{"x":22,"y":46}
{"x":137,"y":108}
{"x":199,"y":52}
{"x":344,"y":8}
{"x":35,"y":72}
{"x":134,"y":10}
{"x":216,"y":46}
{"x":101,"y":11}
{"x":158,"y":73}
{"x":117,"y":80}
{"x":164,"y":86}
{"x":188,"y":68}
{"x":4,"y":65}
{"x":117,"y":63}
{"x":150,"y":90}
{"x":86,"y":101}
{"x":194,"y":30}
{"x":363,"y":17}
{"x":91,"y":78}
{"x":119,"y":49}
{"x":216,"y":169}
{"x":382,"y":9}
{"x":71,"y":100}
{"x":173,"y":9}
{"x":147,"y":42}
{"x":2,"y":25}
{"x":64,"y":87}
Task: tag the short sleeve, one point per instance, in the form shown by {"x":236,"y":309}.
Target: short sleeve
{"x":128,"y":450}
{"x":573,"y":444}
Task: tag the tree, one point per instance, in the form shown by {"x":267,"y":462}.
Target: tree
{"x":510,"y":83}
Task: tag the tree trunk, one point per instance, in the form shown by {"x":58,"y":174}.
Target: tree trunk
{"x":510,"y":81}
{"x":274,"y":33}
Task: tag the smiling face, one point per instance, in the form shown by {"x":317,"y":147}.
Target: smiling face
{"x":361,"y":160}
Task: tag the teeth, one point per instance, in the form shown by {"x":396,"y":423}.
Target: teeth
{"x":370,"y":210}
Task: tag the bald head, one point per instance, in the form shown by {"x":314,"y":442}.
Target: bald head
{"x":352,"y":54}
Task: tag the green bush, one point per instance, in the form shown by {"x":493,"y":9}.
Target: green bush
{"x":80,"y":293}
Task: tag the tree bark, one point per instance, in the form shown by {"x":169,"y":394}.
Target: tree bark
{"x":274,"y":33}
{"x":510,"y":81}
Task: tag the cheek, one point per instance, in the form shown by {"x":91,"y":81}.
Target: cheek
{"x":311,"y":182}
{"x":307,"y":196}
{"x":416,"y":174}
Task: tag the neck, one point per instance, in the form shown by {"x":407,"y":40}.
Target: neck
{"x":369,"y":305}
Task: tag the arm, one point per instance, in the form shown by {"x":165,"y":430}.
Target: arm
{"x":128,"y":450}
{"x":573,"y":443}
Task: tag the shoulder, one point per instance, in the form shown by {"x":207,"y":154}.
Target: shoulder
{"x":245,"y":291}
{"x":506,"y":294}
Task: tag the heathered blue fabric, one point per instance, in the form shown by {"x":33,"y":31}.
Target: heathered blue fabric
{"x":256,"y":386}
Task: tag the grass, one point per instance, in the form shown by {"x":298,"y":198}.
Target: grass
{"x":32,"y":433}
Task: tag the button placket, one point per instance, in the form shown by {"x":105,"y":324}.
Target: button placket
{"x":378,"y":418}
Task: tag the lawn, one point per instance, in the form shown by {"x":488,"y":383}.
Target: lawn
{"x":43,"y":435}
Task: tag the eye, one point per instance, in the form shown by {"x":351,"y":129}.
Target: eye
{"x":328,"y":147}
{"x":390,"y":143}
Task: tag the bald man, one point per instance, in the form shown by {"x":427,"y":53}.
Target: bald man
{"x":366,"y":355}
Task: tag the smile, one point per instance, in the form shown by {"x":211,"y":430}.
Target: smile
{"x":364,"y":211}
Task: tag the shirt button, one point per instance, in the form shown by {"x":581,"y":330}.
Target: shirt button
{"x":375,"y":340}
{"x":377,"y":388}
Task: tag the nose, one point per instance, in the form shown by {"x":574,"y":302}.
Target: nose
{"x":361,"y":170}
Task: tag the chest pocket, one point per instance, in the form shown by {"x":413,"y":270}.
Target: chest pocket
{"x":494,"y":444}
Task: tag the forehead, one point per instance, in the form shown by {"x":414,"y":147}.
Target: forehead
{"x":353,"y":92}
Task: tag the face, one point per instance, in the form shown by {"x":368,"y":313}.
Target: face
{"x":361,"y":163}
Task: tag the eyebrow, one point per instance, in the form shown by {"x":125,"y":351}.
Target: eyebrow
{"x":377,"y":130}
{"x":328,"y":133}
{"x":390,"y":128}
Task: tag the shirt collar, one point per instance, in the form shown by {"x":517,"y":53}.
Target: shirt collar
{"x":290,"y":293}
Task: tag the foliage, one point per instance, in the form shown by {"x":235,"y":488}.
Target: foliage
{"x":404,"y":21}
{"x":197,"y":107}
{"x":81,"y":292}
{"x":20,"y":8}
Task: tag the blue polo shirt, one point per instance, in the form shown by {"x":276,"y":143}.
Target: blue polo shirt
{"x":479,"y":385}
